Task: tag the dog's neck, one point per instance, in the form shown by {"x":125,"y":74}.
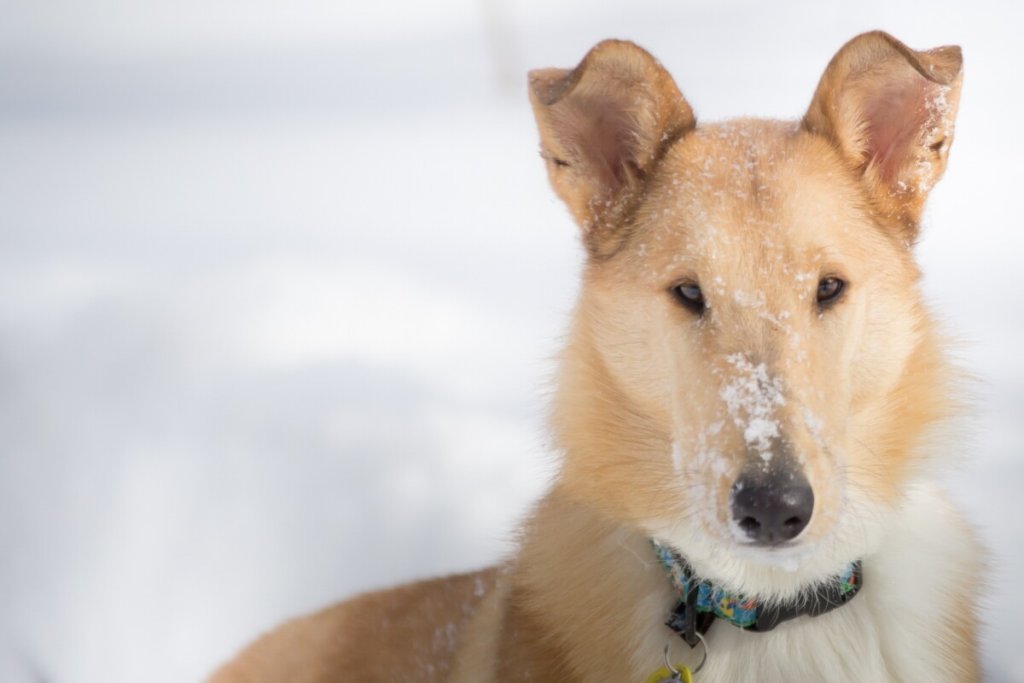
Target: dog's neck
{"x":701,"y":602}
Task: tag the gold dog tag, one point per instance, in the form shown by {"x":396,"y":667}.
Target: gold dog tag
{"x":663,"y":675}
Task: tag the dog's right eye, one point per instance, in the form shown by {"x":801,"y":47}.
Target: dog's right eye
{"x":690,"y":296}
{"x":829,"y":290}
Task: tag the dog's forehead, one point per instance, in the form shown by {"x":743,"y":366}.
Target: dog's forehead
{"x":747,"y":192}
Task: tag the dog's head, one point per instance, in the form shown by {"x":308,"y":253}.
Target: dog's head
{"x":751,"y":372}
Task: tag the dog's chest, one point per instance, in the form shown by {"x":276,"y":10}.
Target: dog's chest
{"x":837,"y":647}
{"x":845,"y":646}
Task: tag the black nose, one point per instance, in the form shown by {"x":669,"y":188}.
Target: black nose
{"x":773,"y":506}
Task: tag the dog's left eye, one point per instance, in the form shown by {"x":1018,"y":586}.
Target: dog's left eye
{"x":690,"y":296}
{"x":829,"y":289}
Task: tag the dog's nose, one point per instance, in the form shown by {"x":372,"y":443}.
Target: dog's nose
{"x":772,"y":507}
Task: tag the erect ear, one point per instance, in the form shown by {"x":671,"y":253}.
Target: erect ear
{"x":603,"y":125}
{"x":890,"y":111}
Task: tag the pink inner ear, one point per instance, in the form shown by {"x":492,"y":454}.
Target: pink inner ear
{"x":895,"y":117}
{"x":602,"y":134}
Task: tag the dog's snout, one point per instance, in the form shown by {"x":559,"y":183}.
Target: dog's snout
{"x":772,"y":507}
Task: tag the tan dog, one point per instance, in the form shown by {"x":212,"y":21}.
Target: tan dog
{"x":749,"y":408}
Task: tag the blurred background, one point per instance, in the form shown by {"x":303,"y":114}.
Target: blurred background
{"x":282,"y":283}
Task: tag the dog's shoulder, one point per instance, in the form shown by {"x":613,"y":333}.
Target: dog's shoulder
{"x":369,"y":637}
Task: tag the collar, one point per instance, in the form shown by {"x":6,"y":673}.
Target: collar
{"x":701,"y":602}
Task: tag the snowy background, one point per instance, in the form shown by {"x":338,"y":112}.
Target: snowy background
{"x":282,"y":281}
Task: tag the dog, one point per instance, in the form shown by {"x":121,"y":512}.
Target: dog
{"x":750,"y":409}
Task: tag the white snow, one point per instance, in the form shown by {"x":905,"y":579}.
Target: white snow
{"x":751,"y":396}
{"x":677,"y":457}
{"x":280,"y":287}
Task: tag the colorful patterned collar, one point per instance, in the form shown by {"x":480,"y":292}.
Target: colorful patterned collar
{"x":701,"y":602}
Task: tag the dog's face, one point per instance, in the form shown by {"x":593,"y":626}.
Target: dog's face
{"x":758,"y":367}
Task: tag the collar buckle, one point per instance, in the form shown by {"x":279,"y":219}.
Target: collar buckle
{"x":686,"y":619}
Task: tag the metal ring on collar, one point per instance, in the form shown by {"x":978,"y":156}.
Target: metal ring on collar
{"x":696,"y":669}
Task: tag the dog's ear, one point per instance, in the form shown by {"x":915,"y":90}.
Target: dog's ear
{"x":602,"y":127}
{"x":890,"y":111}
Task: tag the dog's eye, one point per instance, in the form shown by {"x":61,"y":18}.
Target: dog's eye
{"x":690,"y":296}
{"x":829,"y":289}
